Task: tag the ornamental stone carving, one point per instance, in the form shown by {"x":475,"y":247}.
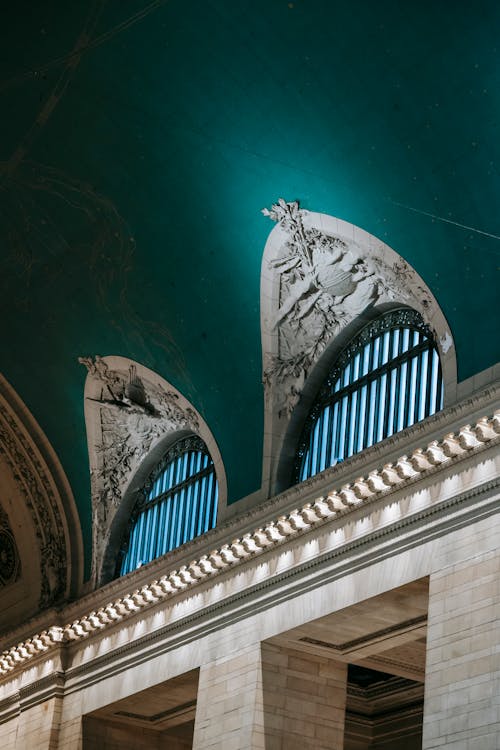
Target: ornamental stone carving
{"x":129,"y":410}
{"x":319,"y":274}
{"x":9,"y":555}
{"x":47,"y":502}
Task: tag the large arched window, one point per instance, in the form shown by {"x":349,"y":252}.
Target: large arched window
{"x":386,"y":379}
{"x":177,"y":503}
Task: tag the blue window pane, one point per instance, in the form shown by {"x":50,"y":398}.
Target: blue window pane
{"x":362,"y":418}
{"x":178,"y":502}
{"x":325,"y":420}
{"x":387,"y":378}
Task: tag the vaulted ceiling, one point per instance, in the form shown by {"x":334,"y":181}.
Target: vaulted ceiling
{"x":141,"y":140}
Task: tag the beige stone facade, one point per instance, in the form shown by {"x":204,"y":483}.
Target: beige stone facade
{"x":359,"y":609}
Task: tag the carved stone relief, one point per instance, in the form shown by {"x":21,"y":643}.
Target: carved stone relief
{"x":9,"y":556}
{"x":318,"y":275}
{"x":127,"y":414}
{"x":324,"y":282}
{"x":39,"y":495}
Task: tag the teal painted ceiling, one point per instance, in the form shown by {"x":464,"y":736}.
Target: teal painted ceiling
{"x":140,"y":141}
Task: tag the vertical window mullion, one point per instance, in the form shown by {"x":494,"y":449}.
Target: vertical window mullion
{"x":165,"y":544}
{"x":202,"y":512}
{"x":320,"y":442}
{"x":215,"y":498}
{"x":173,"y":521}
{"x":174,"y":509}
{"x":153,"y":532}
{"x":162,"y":508}
{"x":188,"y":511}
{"x":434,"y":383}
{"x":330,"y":435}
{"x":209,"y":498}
{"x":132,"y":550}
{"x":196,"y":498}
{"x":394,"y":398}
{"x":338,"y":430}
{"x":365,"y":407}
{"x":382,"y":396}
{"x":412,"y":395}
{"x":352,"y":422}
{"x":140,"y":540}
{"x":128,"y":560}
{"x":181,"y":516}
{"x":332,"y":451}
{"x":314,"y":450}
{"x":343,"y":427}
{"x":401,"y":396}
{"x":326,"y":419}
{"x":372,"y":389}
{"x":195,"y":509}
{"x":422,"y":399}
{"x":362,"y":418}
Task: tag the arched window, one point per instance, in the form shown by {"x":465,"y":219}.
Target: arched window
{"x":177,"y":503}
{"x":386,"y":379}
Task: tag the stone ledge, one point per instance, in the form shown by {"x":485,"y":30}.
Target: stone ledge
{"x":451,"y":448}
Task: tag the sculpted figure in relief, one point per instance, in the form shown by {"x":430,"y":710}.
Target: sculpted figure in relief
{"x":133,"y":414}
{"x":324,"y":282}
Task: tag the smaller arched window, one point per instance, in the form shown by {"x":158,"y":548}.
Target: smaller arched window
{"x":177,"y":503}
{"x":386,"y":379}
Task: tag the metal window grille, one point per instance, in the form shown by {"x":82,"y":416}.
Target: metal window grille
{"x":177,"y":503}
{"x":386,"y":379}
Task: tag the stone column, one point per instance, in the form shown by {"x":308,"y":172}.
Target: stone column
{"x":229,"y":710}
{"x":71,"y":735}
{"x":38,"y":726}
{"x":271,"y":698}
{"x":462,"y":686}
{"x":304,"y":700}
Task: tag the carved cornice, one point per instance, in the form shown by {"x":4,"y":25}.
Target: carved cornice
{"x":240,"y":604}
{"x":419,"y":434}
{"x":445,"y":419}
{"x":393,"y":687}
{"x":357,"y":642}
{"x":451,"y":449}
{"x":9,"y":707}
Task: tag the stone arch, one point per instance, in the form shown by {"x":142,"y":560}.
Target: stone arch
{"x":322,"y":279}
{"x":38,"y":511}
{"x":132,"y":414}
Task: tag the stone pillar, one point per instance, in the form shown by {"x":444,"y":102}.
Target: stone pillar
{"x":229,"y":710}
{"x":271,"y":698}
{"x":462,"y":685}
{"x":304,"y":700}
{"x":38,"y":727}
{"x":8,"y":733}
{"x":71,"y":735}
